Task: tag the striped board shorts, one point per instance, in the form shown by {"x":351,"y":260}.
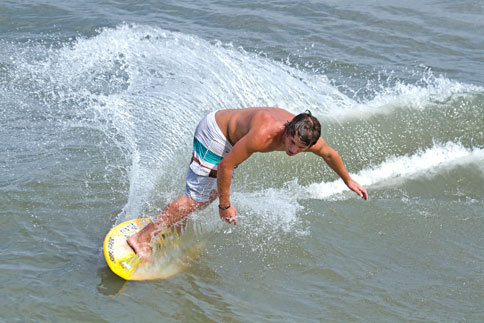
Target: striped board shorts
{"x":209,"y":147}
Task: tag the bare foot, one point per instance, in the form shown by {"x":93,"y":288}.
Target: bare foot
{"x":142,"y":249}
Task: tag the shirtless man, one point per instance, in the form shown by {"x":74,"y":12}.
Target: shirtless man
{"x":223,"y":140}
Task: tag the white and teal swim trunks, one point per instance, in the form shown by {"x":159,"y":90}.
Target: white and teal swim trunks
{"x":209,"y":147}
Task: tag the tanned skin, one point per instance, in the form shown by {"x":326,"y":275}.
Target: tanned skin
{"x":249,"y":130}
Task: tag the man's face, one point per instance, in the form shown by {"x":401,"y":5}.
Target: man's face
{"x":294,"y":145}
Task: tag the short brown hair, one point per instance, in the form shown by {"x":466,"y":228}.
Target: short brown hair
{"x":306,"y":126}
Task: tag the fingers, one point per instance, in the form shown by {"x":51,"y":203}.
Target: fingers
{"x":358,"y":189}
{"x":231,"y":220}
{"x":229,"y":215}
{"x":361,"y":192}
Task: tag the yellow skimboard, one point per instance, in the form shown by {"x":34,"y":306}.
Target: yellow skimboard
{"x":120,"y":257}
{"x":167,"y":257}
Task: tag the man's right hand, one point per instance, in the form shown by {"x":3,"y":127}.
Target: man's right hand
{"x":229,"y":215}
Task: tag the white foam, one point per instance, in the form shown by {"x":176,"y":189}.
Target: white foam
{"x":401,"y":168}
{"x":270,"y":211}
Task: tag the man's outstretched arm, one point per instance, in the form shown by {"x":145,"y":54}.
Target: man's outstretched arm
{"x":333,"y":159}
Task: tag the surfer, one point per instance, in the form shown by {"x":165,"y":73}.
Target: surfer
{"x":223,"y":140}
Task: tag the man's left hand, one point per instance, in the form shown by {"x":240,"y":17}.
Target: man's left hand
{"x":357,"y":188}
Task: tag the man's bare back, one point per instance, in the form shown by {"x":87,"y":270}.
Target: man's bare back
{"x":236,"y":123}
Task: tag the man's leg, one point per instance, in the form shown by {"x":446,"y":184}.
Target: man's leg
{"x":173,"y":212}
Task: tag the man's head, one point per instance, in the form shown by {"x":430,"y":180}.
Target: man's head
{"x":305,"y":127}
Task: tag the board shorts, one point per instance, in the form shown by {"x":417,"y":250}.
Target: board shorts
{"x":209,"y":147}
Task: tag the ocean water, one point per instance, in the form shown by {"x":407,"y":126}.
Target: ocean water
{"x":98,"y":104}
